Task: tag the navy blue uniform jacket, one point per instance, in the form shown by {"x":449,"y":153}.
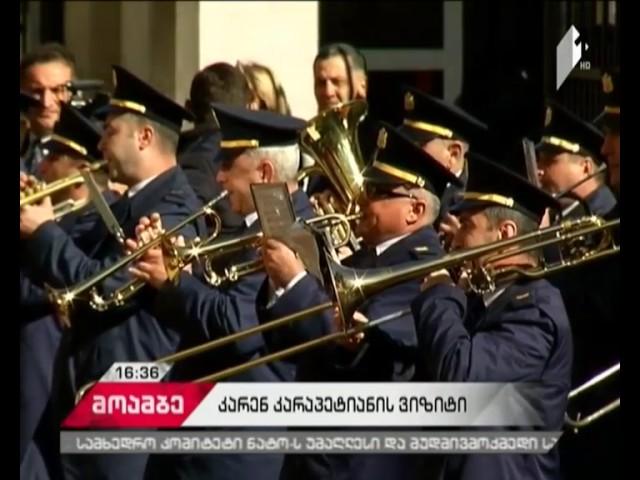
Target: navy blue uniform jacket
{"x":130,"y":333}
{"x":387,"y":354}
{"x":203,"y":313}
{"x":39,"y":340}
{"x":522,"y":336}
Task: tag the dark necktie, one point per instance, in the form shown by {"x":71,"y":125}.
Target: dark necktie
{"x":475,"y":309}
{"x":367,"y":258}
{"x":120,"y":208}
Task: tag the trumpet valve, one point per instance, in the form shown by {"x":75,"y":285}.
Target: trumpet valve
{"x":97,"y":302}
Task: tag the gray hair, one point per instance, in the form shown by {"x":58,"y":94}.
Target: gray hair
{"x":285,"y":160}
{"x":433,"y":203}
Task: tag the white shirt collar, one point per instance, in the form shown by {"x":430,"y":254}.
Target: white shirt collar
{"x":251,"y":218}
{"x":387,"y":243}
{"x":139,"y":186}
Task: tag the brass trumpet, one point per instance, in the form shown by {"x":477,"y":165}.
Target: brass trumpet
{"x":43,"y":190}
{"x":178,"y":257}
{"x":69,"y":206}
{"x":64,"y":298}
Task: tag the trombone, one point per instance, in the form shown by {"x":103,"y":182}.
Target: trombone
{"x":64,"y":298}
{"x":580,"y":422}
{"x":350,"y":287}
{"x":43,"y":190}
{"x":178,"y":257}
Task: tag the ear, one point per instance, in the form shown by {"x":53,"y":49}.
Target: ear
{"x":456,"y":151}
{"x":267,"y":171}
{"x":417,"y":211}
{"x":588,"y":165}
{"x":360,"y":86}
{"x":508,"y":229}
{"x":145,"y":136}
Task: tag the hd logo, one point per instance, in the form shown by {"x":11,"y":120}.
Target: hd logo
{"x":568,"y":53}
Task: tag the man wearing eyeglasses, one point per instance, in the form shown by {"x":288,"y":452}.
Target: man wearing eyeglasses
{"x":401,"y":201}
{"x":44,"y":75}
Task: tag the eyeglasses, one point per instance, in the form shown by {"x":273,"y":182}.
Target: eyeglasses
{"x":60,"y":92}
{"x":381,"y":192}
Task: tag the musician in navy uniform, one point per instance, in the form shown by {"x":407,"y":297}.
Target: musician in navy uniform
{"x":593,"y":297}
{"x":259,"y":147}
{"x":139,"y":143}
{"x":568,"y":152}
{"x":446,"y":132}
{"x":516,"y":333}
{"x":72,"y":146}
{"x":402,"y":189}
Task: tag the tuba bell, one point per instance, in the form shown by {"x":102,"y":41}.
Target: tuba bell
{"x":331,"y":139}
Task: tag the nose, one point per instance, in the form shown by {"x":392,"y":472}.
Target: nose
{"x":48,"y":98}
{"x":221,"y":176}
{"x":327,"y":89}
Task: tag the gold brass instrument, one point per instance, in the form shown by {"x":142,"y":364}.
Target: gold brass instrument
{"x":64,"y":298}
{"x":178,"y":257}
{"x":65,"y":207}
{"x":331,"y":139}
{"x":580,"y":422}
{"x":350,"y":287}
{"x":43,"y":190}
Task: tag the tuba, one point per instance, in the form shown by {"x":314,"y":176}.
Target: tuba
{"x":331,"y":140}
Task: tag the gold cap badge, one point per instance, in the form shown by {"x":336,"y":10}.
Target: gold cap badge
{"x":382,"y":138}
{"x":607,"y":83}
{"x":409,"y":103}
{"x":548,"y":116}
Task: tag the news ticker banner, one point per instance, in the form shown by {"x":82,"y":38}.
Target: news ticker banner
{"x":144,"y":404}
{"x":352,"y":442}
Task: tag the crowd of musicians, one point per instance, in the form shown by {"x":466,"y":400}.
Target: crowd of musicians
{"x":425,"y":188}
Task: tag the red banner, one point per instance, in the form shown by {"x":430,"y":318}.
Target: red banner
{"x":137,"y":405}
